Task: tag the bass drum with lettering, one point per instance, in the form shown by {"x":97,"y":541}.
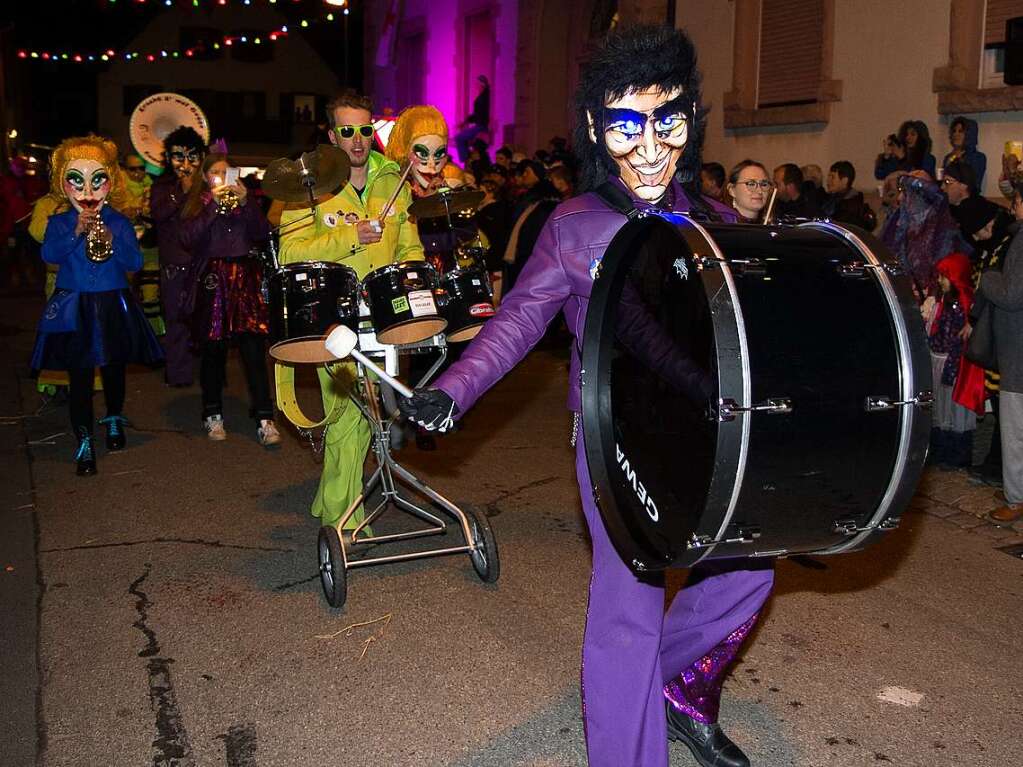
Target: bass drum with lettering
{"x":810,"y":427}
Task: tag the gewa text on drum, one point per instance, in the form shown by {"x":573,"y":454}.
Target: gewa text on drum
{"x":816,"y":429}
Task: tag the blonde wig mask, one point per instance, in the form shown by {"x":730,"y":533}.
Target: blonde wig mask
{"x":84,"y":172}
{"x":420,"y":135}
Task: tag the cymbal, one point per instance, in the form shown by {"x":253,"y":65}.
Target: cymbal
{"x":442,"y":203}
{"x":325,"y":170}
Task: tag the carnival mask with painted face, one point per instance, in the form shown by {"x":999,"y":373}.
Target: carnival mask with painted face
{"x":86,"y":184}
{"x":645,"y":133}
{"x":429,"y":156}
{"x":184,"y":160}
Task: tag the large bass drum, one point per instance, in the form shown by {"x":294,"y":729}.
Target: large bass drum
{"x":816,"y":432}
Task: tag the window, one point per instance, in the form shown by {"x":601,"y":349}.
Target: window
{"x":791,"y":41}
{"x":782,"y":61}
{"x":972,"y":80}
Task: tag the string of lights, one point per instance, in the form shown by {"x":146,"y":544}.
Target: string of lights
{"x":227,"y":41}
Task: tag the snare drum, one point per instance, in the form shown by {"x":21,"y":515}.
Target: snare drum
{"x":468,"y":303}
{"x":807,"y":430}
{"x":402,"y":303}
{"x":306,"y":300}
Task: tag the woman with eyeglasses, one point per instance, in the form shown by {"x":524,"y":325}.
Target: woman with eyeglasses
{"x":749,"y":187}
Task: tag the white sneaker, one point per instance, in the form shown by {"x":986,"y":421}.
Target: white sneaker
{"x":268,"y":434}
{"x":215,"y":428}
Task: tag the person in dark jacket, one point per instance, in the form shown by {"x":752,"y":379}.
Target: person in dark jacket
{"x":477,"y":121}
{"x":1004,"y":289}
{"x":92,"y":319}
{"x":792,"y":201}
{"x":184,"y":151}
{"x":962,"y":135}
{"x":220,"y":225}
{"x":844,"y":204}
{"x":992,"y":227}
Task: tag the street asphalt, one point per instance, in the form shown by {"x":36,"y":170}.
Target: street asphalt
{"x":168,"y":610}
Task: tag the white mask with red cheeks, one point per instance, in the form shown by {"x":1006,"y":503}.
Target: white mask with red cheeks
{"x":645,"y":133}
{"x":429,"y":156}
{"x":86,"y":184}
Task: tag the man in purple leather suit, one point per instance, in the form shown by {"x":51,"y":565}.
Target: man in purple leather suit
{"x":184,"y":151}
{"x":647,"y":675}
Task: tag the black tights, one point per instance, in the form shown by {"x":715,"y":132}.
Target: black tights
{"x":80,"y":394}
{"x":212,"y":370}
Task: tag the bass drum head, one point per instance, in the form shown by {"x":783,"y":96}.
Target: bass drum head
{"x":650,"y":444}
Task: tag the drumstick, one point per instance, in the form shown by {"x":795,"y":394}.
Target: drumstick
{"x":397,"y":191}
{"x":770,"y":206}
{"x":341,"y":343}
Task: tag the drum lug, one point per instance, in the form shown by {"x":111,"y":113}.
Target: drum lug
{"x":752,"y":267}
{"x":727,"y":408}
{"x":705,"y":262}
{"x":741,"y":535}
{"x":855,"y":269}
{"x":849,"y":527}
{"x":881,"y":402}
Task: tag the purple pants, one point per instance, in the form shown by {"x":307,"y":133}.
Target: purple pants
{"x":178,"y":338}
{"x":635,"y":655}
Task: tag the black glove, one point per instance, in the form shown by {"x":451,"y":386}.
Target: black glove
{"x":430,"y":408}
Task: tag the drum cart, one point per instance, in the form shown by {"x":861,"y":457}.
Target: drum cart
{"x":336,"y":547}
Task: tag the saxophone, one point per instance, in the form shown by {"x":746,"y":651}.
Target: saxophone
{"x":99,"y":242}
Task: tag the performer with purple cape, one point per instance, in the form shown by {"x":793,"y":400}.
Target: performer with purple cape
{"x":647,"y":675}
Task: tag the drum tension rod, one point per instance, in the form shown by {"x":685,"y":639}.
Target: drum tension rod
{"x":881,"y":402}
{"x":727,"y":408}
{"x":852,"y":527}
{"x":741,"y":535}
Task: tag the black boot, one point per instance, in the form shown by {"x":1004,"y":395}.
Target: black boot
{"x":85,"y":457}
{"x":115,"y":431}
{"x":710,"y":746}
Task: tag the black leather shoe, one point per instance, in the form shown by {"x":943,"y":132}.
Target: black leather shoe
{"x":115,"y":431}
{"x":85,"y":457}
{"x":710,"y":746}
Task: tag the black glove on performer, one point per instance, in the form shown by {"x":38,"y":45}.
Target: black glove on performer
{"x":430,"y":408}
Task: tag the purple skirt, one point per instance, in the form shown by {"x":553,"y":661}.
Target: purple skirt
{"x":112,"y":329}
{"x":229,"y":300}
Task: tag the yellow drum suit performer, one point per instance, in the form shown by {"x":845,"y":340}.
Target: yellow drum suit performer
{"x":346,"y":229}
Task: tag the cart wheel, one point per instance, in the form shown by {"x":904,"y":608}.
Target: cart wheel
{"x":333,"y":577}
{"x":484,"y":553}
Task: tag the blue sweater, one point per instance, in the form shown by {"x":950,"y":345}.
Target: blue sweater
{"x":63,"y":247}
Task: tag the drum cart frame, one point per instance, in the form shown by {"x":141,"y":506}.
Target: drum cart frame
{"x":335,"y":544}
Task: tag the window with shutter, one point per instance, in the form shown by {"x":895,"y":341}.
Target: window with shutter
{"x":972,"y":79}
{"x":996,"y":13}
{"x":782,"y":57}
{"x":791,"y":47}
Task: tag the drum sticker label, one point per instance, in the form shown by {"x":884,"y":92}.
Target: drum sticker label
{"x":412,"y":275}
{"x":399,"y":305}
{"x":421,"y":302}
{"x":595,"y":267}
{"x":637,"y":487}
{"x":481,"y":310}
{"x":330,"y":219}
{"x":681,"y":268}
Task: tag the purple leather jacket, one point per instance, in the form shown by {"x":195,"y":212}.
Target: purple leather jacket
{"x":556,"y":277}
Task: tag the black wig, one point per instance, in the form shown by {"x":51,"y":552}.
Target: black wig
{"x":183,"y":136}
{"x":633,"y":59}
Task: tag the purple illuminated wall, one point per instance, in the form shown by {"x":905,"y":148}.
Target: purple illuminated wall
{"x":455,"y":41}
